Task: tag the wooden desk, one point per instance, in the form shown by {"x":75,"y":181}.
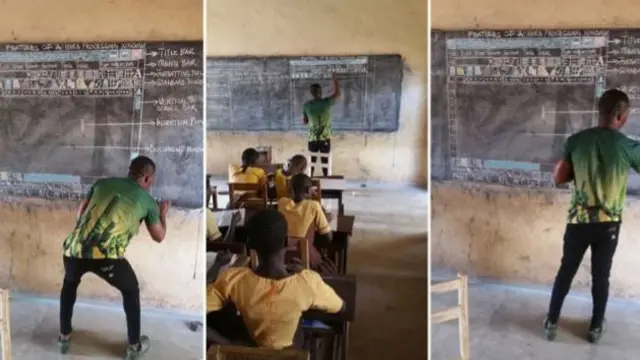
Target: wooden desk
{"x":345,"y":287}
{"x":332,"y":188}
{"x":342,"y":227}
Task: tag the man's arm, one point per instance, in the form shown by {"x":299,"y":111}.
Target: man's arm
{"x":563,"y":172}
{"x":336,"y":89}
{"x":82,"y":208}
{"x":156,"y":221}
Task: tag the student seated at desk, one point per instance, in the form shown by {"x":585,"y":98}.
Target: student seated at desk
{"x":247,"y":172}
{"x":270,"y":299}
{"x":296,"y":165}
{"x":307,"y":219}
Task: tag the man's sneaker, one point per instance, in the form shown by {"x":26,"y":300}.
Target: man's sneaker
{"x":136,"y":353}
{"x":550,"y":330}
{"x":64,"y":344}
{"x":595,"y":333}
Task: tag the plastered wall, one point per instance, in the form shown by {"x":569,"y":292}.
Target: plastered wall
{"x":32,"y":231}
{"x":331,"y":27}
{"x":515,"y":234}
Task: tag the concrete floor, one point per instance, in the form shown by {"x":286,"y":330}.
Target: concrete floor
{"x":99,"y":332}
{"x":506,"y":323}
{"x":388,"y":256}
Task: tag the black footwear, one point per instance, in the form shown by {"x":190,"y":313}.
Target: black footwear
{"x":595,"y":333}
{"x":141,"y":349}
{"x":550,"y":330}
{"x":64,"y":344}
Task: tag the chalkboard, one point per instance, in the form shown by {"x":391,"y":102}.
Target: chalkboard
{"x":267,"y":93}
{"x":504,"y":102}
{"x":73,"y":113}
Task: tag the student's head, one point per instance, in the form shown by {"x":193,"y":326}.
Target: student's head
{"x":315,"y":90}
{"x":300,"y":187}
{"x":267,"y":233}
{"x":250,"y":157}
{"x":613,"y":108}
{"x":142,"y":169}
{"x":297,"y":165}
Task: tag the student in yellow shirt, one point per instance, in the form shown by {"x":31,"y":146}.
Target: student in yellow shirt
{"x":248,"y":172}
{"x":307,"y":219}
{"x":303,"y":213}
{"x":270,"y":299}
{"x":296,"y":165}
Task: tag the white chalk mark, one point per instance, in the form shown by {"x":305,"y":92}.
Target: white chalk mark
{"x":120,"y":124}
{"x":554,"y":112}
{"x":97,"y":147}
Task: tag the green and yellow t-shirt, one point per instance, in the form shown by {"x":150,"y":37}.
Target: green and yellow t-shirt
{"x":115,"y":209}
{"x":319,"y":114}
{"x":600,"y":158}
{"x":271,"y":309}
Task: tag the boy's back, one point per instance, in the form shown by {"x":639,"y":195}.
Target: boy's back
{"x":271,"y":309}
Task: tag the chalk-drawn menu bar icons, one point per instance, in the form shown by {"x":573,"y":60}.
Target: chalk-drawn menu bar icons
{"x":562,"y":59}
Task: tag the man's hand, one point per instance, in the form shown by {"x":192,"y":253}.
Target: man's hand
{"x":164,"y":206}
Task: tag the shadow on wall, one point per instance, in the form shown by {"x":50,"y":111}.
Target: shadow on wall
{"x":515,"y":235}
{"x":31,"y":256}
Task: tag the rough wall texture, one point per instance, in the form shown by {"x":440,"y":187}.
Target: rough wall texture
{"x":332,"y":27}
{"x":515,"y":234}
{"x":32,"y":231}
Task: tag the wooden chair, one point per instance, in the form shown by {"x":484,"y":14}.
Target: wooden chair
{"x":257,"y":195}
{"x":212,"y":194}
{"x":5,"y":322}
{"x":229,"y":352}
{"x":460,"y":312}
{"x":317,"y":195}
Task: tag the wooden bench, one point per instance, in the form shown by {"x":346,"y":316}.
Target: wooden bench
{"x":460,"y":312}
{"x":229,"y":352}
{"x":5,"y":322}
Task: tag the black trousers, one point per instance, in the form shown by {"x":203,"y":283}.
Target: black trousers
{"x":602,"y":238}
{"x":324,"y":148}
{"x":118,"y":273}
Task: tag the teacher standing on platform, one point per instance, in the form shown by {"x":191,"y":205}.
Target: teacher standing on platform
{"x":317,"y":116}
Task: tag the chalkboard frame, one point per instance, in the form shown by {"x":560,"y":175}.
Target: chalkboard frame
{"x":58,"y":186}
{"x":398,"y":95}
{"x":441,"y":168}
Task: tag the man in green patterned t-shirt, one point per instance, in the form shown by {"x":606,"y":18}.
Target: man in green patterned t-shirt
{"x":597,"y":160}
{"x":317,"y":115}
{"x":108,"y":219}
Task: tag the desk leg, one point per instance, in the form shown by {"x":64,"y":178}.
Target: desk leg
{"x":340,"y":205}
{"x":345,"y":341}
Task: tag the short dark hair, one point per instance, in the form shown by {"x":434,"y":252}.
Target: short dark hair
{"x":299,"y":185}
{"x":267,"y":232}
{"x":141,"y":166}
{"x":314,"y":88}
{"x":298,"y":162}
{"x":611,"y":104}
{"x":250,"y":157}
